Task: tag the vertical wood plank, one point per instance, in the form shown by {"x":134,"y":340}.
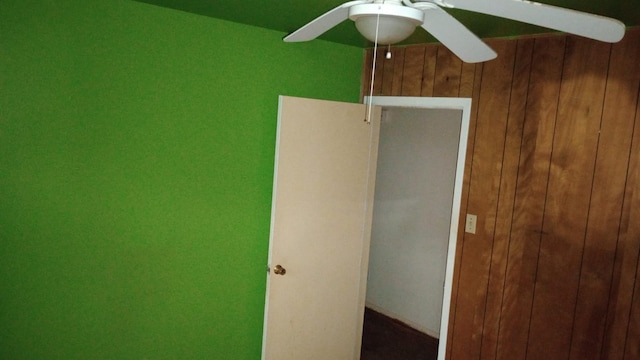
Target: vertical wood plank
{"x":526,"y":227}
{"x":378,"y":75}
{"x":397,"y":54}
{"x":622,"y":313}
{"x":366,"y":73}
{"x":467,"y":75}
{"x":485,"y":177}
{"x":567,"y":204}
{"x":631,"y":232}
{"x":607,"y":196}
{"x":475,"y":72}
{"x":626,"y":263}
{"x":413,"y":68}
{"x":506,"y":197}
{"x":632,"y":349}
{"x":429,"y":70}
{"x":383,"y":77}
{"x":447,"y":75}
{"x":388,"y":68}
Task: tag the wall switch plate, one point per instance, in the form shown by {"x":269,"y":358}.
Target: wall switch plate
{"x":470,"y":225}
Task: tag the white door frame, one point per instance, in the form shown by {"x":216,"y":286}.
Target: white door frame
{"x":463,"y":104}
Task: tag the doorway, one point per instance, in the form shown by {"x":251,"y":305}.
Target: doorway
{"x":323,"y":196}
{"x":414,"y":227}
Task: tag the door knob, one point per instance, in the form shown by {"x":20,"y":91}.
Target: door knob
{"x":279,"y":270}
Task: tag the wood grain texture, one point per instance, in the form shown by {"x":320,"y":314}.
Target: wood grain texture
{"x":630,"y":231}
{"x":429,"y":70}
{"x":491,"y":124}
{"x":467,"y":80}
{"x":506,"y":197}
{"x":533,"y":173}
{"x":379,"y":75}
{"x":388,"y":66}
{"x":397,"y":56}
{"x":553,"y":173}
{"x":567,"y":206}
{"x":412,"y":72}
{"x":378,"y":79}
{"x":476,"y":75}
{"x":366,"y":73}
{"x":605,"y":210}
{"x":621,"y":330}
{"x":447,"y":74}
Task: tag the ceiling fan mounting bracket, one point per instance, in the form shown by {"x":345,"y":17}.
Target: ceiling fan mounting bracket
{"x":412,"y":14}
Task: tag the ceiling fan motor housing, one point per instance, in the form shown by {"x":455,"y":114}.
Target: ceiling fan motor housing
{"x":386,"y":23}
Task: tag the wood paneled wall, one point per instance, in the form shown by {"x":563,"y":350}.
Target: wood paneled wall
{"x":553,"y":174}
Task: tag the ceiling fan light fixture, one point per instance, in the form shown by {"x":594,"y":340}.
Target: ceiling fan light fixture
{"x":396,"y":22}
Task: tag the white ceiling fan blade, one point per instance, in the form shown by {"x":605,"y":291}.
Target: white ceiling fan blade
{"x":571,"y":21}
{"x":323,"y":23}
{"x":455,"y":36}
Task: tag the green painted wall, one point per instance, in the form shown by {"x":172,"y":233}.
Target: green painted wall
{"x":136,"y":155}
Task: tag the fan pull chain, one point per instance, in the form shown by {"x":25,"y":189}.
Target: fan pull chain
{"x":367,"y":118}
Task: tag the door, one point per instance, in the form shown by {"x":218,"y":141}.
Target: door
{"x":320,"y":230}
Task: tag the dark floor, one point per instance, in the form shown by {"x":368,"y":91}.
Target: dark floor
{"x":384,"y":338}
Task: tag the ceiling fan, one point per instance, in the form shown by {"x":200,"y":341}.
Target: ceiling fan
{"x":391,"y":21}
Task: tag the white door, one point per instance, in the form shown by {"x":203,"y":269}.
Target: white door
{"x":320,"y":230}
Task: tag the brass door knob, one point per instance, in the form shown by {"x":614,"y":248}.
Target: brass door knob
{"x":279,"y":270}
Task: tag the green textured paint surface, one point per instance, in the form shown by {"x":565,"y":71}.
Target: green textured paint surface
{"x":289,"y":15}
{"x":136,"y":164}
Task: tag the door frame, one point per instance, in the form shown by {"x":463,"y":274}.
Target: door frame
{"x":463,"y":104}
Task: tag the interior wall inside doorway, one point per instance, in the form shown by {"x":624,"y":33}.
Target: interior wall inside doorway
{"x":412,"y":211}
